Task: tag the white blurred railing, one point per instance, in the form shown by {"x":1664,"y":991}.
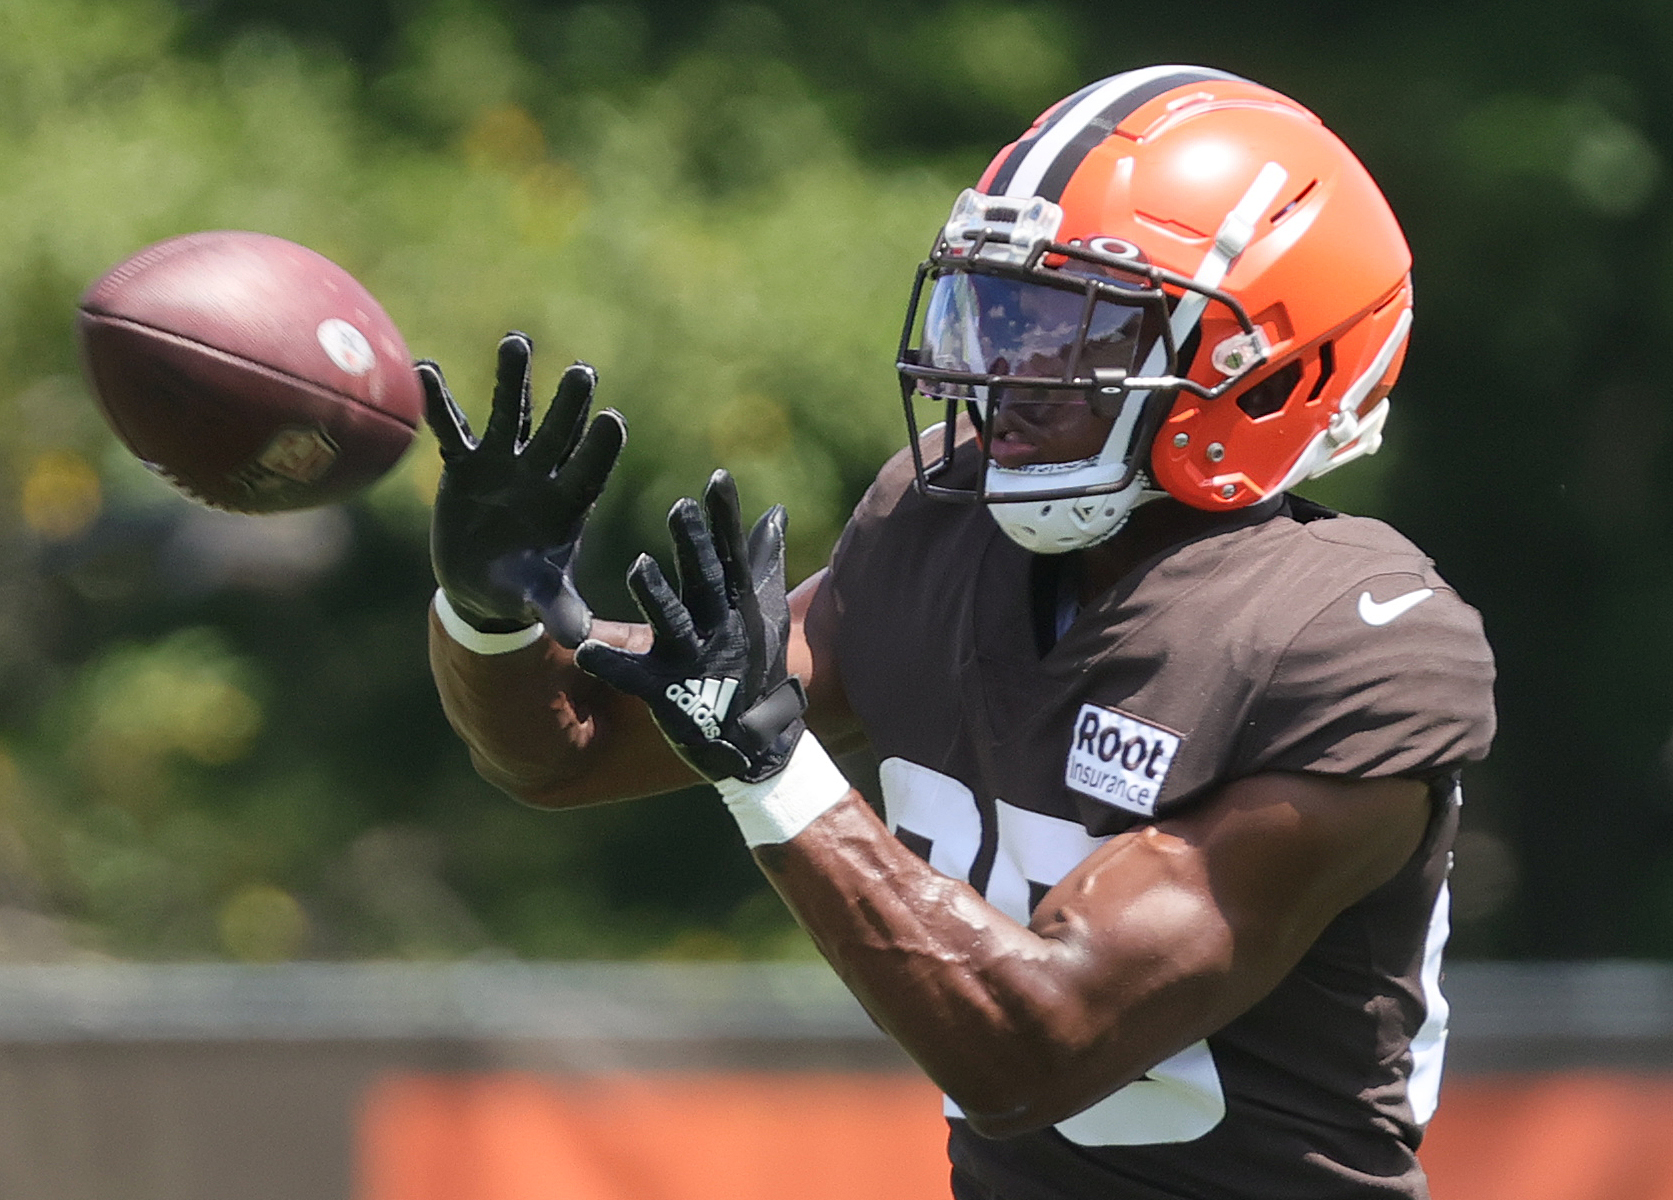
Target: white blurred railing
{"x":1504,"y":1015}
{"x":590,"y":1001}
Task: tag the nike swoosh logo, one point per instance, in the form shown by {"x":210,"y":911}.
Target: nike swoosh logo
{"x":1374,"y":613}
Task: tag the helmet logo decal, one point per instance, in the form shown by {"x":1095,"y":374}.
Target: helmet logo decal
{"x":1043,"y":165}
{"x":1116,"y":248}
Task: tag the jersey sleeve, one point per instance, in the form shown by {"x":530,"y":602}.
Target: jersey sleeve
{"x":879,"y":500}
{"x":894,"y":486}
{"x":1392,"y":677}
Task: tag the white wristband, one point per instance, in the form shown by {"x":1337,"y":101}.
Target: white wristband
{"x":777,"y":809}
{"x":475,"y":640}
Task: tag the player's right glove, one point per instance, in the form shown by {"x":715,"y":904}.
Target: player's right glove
{"x":506,"y":527}
{"x":715,"y":676}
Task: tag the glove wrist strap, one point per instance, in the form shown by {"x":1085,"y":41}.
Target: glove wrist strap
{"x":777,"y":809}
{"x":478,"y":642}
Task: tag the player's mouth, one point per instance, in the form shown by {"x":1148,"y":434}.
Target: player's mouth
{"x":1029,"y":431}
{"x":1011,"y":448}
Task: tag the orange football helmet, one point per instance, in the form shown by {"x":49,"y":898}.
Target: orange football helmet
{"x":1198,"y":258}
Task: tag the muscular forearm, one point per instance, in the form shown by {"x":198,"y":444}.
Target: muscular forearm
{"x":1155,"y":940}
{"x":1021,"y":1026}
{"x":544,"y":731}
{"x":553,"y":736}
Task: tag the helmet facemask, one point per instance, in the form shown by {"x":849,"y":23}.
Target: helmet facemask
{"x":1003,"y":319}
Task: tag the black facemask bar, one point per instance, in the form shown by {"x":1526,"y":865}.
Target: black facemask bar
{"x":1122,"y":281}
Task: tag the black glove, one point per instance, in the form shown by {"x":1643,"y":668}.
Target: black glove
{"x":507,"y":521}
{"x":715,"y":676}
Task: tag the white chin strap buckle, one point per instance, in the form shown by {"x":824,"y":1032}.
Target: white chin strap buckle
{"x":1059,"y":526}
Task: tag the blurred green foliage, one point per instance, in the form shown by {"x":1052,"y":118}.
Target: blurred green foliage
{"x":218,"y":736}
{"x":221,"y":735}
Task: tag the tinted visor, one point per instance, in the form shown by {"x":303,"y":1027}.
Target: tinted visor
{"x":1028,"y":334}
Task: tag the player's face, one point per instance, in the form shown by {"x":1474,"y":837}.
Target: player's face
{"x":997,"y":326}
{"x":1034,"y":427}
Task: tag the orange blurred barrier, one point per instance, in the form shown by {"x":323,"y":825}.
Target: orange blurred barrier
{"x":1581,"y":1135}
{"x":734,"y":1136}
{"x":831,"y":1136}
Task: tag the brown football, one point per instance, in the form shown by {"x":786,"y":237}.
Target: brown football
{"x":249,"y":371}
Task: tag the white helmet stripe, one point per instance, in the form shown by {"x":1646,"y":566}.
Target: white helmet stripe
{"x":1236,"y":231}
{"x":1105,"y":106}
{"x":1234,"y":234}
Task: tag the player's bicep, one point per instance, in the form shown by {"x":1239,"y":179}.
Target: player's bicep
{"x":1226,"y":899}
{"x":1286,"y":853}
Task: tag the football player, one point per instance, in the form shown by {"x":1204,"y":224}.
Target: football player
{"x":1169,"y":755}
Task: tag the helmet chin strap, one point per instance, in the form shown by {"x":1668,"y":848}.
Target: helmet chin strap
{"x":1059,"y":526}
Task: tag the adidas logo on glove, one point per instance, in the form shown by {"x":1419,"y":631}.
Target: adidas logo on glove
{"x":705,"y":701}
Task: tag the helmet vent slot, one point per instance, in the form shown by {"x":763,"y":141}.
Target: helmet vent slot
{"x":1291,"y":206}
{"x":1271,"y":393}
{"x":1327,"y":368}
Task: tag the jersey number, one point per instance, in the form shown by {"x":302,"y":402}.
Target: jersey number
{"x":1179,"y":1099}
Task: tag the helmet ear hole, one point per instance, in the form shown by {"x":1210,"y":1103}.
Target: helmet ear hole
{"x":1271,"y":393}
{"x":1327,"y":368}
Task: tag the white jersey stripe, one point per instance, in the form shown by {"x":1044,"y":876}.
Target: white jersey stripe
{"x":1429,"y":1045}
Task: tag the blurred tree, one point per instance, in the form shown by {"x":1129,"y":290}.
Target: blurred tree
{"x":223,"y":732}
{"x":720,"y":205}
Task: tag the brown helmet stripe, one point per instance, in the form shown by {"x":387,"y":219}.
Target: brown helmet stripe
{"x":1043,"y":164}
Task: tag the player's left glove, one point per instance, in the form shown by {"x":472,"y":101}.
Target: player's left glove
{"x":510,"y":508}
{"x":715,"y":677}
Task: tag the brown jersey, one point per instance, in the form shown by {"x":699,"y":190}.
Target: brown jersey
{"x":1279,"y":639}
